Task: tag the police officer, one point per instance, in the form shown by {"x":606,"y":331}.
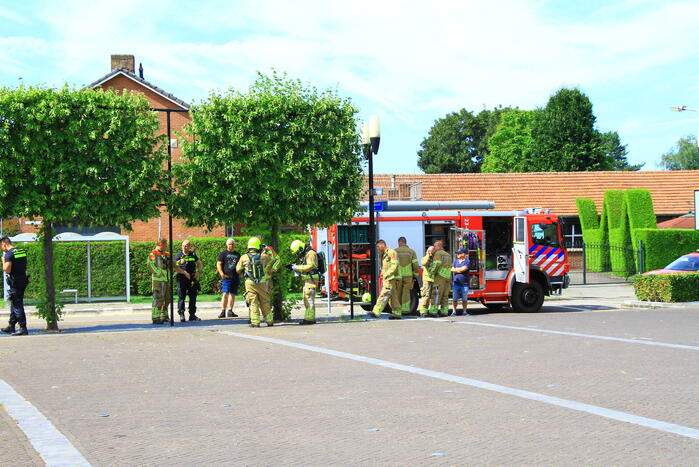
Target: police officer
{"x":159,"y":265}
{"x":253,"y":265}
{"x":408,"y":270}
{"x":188,"y":267}
{"x":14,"y":263}
{"x":390,"y":279}
{"x":308,"y":269}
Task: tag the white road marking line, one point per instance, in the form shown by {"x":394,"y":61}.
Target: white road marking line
{"x":667,"y":427}
{"x":51,"y":444}
{"x":576,"y":334}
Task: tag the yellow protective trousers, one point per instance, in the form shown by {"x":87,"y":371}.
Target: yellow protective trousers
{"x":309,"y":295}
{"x":428,"y":297}
{"x":405,"y":285}
{"x":161,"y":299}
{"x":257,"y":296}
{"x":388,"y":296}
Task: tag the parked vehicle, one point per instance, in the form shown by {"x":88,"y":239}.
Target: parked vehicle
{"x":517,"y":257}
{"x":683,"y":264}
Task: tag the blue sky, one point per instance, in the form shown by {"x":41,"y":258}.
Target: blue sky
{"x":410,"y":62}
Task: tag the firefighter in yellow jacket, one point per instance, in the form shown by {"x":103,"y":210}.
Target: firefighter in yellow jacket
{"x":390,"y":280}
{"x":428,"y":288}
{"x":441,"y":273}
{"x":408,"y":270}
{"x":253,"y":265}
{"x":308,"y":270}
{"x":159,"y":265}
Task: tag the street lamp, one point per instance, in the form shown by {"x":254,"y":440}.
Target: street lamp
{"x":371,"y":137}
{"x":682,"y":108}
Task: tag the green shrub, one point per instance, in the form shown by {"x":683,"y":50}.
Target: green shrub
{"x":667,"y":287}
{"x":662,"y":246}
{"x":593,"y":234}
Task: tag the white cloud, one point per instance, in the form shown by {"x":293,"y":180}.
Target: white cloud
{"x":413,"y":61}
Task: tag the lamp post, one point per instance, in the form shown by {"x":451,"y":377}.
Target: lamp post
{"x":683,"y":108}
{"x":371,"y":137}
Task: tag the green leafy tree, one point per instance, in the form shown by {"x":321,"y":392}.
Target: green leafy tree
{"x":458,"y":143}
{"x":512,"y":145}
{"x":683,"y":156}
{"x":87,"y":156}
{"x":615,"y":153}
{"x":280,"y":153}
{"x":565,"y":139}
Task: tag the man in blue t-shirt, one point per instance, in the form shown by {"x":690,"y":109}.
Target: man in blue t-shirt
{"x":230,"y":280}
{"x":14,"y":264}
{"x":460,"y":280}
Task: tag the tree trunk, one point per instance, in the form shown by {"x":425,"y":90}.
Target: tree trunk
{"x":51,"y":319}
{"x":277,"y":290}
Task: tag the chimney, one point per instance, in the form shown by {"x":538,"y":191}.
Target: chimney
{"x":124,"y":62}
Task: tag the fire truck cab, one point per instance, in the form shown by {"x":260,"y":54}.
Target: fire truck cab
{"x":517,"y":257}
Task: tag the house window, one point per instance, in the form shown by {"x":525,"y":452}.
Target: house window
{"x":572,"y":233}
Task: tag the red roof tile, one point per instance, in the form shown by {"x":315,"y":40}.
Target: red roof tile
{"x":672,"y":191}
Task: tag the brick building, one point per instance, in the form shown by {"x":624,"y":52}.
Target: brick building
{"x":123,"y":77}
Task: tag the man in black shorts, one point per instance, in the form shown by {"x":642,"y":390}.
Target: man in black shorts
{"x":230,"y":280}
{"x":14,"y":263}
{"x":188,"y":267}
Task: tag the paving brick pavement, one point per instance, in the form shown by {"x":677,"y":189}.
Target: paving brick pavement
{"x":192,"y":396}
{"x":15,"y":444}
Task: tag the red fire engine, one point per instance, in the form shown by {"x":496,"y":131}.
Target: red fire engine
{"x":517,"y":257}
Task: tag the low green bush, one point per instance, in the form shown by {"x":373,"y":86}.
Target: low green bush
{"x":667,"y":287}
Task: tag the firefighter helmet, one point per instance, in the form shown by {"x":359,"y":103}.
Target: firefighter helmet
{"x":254,"y":243}
{"x":297,"y":246}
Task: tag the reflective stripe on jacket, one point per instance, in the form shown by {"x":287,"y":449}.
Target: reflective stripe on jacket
{"x":407,"y":262}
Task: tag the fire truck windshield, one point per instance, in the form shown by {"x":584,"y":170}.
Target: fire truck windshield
{"x":545,"y":234}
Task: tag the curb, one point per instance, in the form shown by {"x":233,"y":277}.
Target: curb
{"x":644,"y":304}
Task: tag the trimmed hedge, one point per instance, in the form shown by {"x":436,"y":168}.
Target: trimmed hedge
{"x":666,"y":245}
{"x":667,"y":287}
{"x":593,"y":234}
{"x":108,"y":268}
{"x":613,"y":239}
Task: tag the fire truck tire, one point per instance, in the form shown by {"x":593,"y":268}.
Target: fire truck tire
{"x":527,"y":298}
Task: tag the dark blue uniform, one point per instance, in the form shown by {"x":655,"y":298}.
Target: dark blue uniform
{"x":187,"y":287}
{"x":17,"y":280}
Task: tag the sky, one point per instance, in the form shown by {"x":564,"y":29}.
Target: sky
{"x":409,"y":62}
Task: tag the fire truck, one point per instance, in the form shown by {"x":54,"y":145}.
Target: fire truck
{"x":517,"y":257}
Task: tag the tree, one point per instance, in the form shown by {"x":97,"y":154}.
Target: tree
{"x":512,"y":145}
{"x":565,"y":139}
{"x":281,"y":153}
{"x":458,"y":143}
{"x":683,"y":156}
{"x":615,"y":152}
{"x":77,"y":156}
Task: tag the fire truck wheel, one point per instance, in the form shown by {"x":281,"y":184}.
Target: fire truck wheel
{"x":527,"y":298}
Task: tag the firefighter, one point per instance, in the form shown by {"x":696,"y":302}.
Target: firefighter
{"x":308,"y":269}
{"x":253,"y":264}
{"x":427,"y":290}
{"x":409,"y":271}
{"x":390,"y":280}
{"x":441,"y":273}
{"x":159,"y":265}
